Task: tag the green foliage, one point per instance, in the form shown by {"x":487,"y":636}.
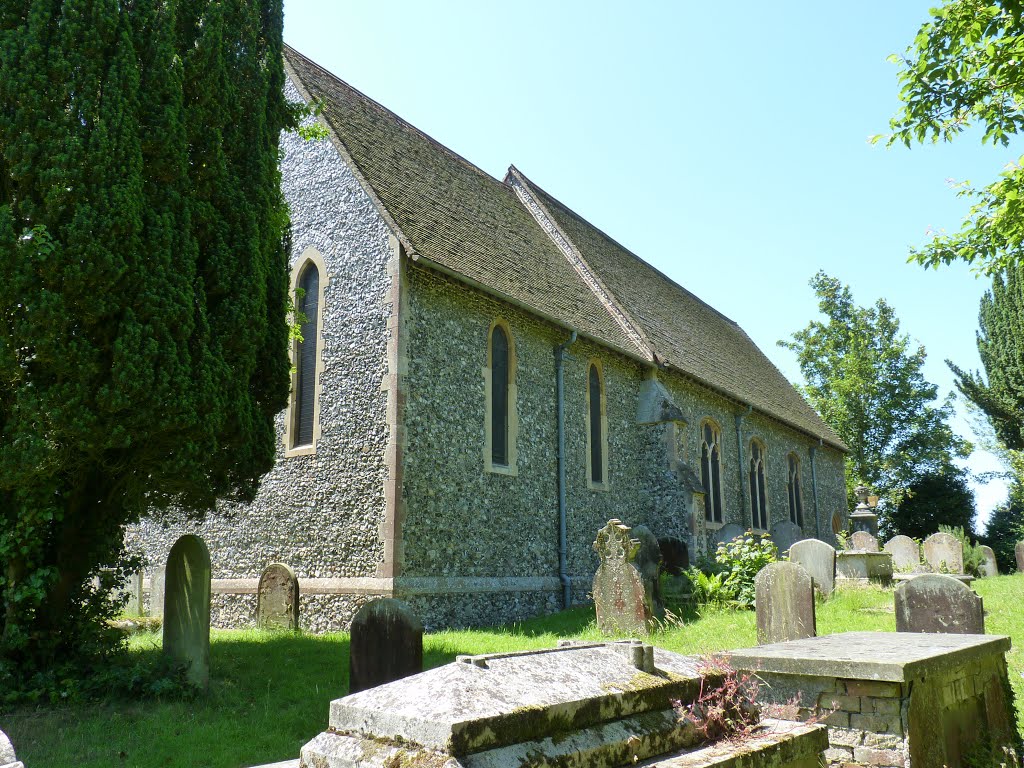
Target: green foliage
{"x":743,"y":558}
{"x":934,"y":501}
{"x":143,"y":285}
{"x":974,"y":558}
{"x":710,"y":590}
{"x":963,"y":68}
{"x":865,"y":379}
{"x":727,"y":707}
{"x":1005,"y":528}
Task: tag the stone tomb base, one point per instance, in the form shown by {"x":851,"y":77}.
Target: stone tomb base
{"x":858,"y":568}
{"x":894,"y":699}
{"x":576,"y":706}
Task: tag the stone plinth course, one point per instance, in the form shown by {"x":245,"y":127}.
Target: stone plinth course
{"x":944,"y":553}
{"x":906,"y":554}
{"x":934,"y":602}
{"x":785,"y":534}
{"x":989,"y":567}
{"x":620,"y":600}
{"x":277,"y":598}
{"x":784,"y":603}
{"x":186,"y":622}
{"x":863,"y":541}
{"x":892,"y":699}
{"x":819,"y":560}
{"x":856,"y":568}
{"x":575,"y":706}
{"x":385,"y":644}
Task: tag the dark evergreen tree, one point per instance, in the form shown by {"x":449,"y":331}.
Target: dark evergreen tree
{"x":143,"y":283}
{"x":1001,"y":348}
{"x":940,"y":498}
{"x":1005,"y":528}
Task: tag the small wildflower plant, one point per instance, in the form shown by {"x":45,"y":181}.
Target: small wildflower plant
{"x":727,"y":705}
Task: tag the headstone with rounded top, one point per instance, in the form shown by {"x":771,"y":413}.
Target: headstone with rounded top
{"x":862,"y":541}
{"x":944,"y":553}
{"x":725,"y":534}
{"x":785,"y":534}
{"x":819,"y":560}
{"x":385,"y":644}
{"x":906,"y":554}
{"x":936,"y":602}
{"x":1018,"y":552}
{"x":619,"y":597}
{"x":648,"y":562}
{"x":989,"y":567}
{"x":186,"y":622}
{"x":784,"y":603}
{"x":277,"y":598}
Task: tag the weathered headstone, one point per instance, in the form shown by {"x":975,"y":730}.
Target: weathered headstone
{"x":619,"y":597}
{"x":134,"y":589}
{"x":784,"y":603}
{"x":863,"y":541}
{"x":989,"y":567}
{"x":187,"y":608}
{"x":157,"y":588}
{"x":944,"y":553}
{"x":648,"y":562}
{"x":675,"y":556}
{"x":935,"y":602}
{"x":277,"y":598}
{"x":1018,"y":552}
{"x":819,"y":560}
{"x":785,"y":534}
{"x":7,"y":756}
{"x":725,"y":534}
{"x":906,"y":554}
{"x":385,"y":644}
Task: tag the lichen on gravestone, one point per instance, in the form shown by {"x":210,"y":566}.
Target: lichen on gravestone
{"x":619,"y":596}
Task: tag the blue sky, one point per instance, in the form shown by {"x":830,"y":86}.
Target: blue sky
{"x":726,"y":144}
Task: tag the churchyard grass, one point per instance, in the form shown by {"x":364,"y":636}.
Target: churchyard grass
{"x":269,"y":692}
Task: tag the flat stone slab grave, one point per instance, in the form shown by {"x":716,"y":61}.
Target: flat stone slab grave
{"x":578,"y":705}
{"x":889,"y":697}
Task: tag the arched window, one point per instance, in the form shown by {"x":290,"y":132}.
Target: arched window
{"x":308,"y":294}
{"x":597,"y":428}
{"x":500,"y":370}
{"x":758,"y":495}
{"x":796,"y":502}
{"x":711,"y":470}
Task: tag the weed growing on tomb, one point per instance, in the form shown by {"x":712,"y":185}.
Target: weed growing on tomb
{"x":728,"y":709}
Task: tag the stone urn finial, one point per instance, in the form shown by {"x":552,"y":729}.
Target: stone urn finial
{"x":864,"y":517}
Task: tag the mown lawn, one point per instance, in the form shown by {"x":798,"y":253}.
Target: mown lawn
{"x":269,"y":693}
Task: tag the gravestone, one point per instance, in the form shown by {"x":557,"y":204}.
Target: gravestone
{"x":385,"y":644}
{"x":157,"y":584}
{"x":724,"y":535}
{"x":819,"y":560}
{"x":648,"y":562}
{"x":675,"y":557}
{"x":187,"y":608}
{"x":1018,"y":552}
{"x":989,"y":567}
{"x":7,"y":757}
{"x":862,"y":541}
{"x":277,"y":598}
{"x":935,"y":602}
{"x":906,"y":554}
{"x":133,"y":587}
{"x":784,"y":603}
{"x":785,"y":534}
{"x":944,"y":552}
{"x":619,"y":597}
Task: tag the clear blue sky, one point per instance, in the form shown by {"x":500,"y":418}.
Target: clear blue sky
{"x":726,"y":144}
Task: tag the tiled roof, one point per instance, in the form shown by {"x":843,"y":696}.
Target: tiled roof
{"x":454,"y":215}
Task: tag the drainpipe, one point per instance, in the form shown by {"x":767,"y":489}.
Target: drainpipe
{"x":814,"y":488}
{"x":739,"y":465}
{"x":563,"y":534}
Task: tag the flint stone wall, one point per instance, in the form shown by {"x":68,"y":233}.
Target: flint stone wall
{"x":318,"y":513}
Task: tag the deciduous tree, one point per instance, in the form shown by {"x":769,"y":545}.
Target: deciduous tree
{"x":143,"y":341}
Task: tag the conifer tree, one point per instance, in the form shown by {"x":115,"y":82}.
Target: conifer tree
{"x":143,"y":341}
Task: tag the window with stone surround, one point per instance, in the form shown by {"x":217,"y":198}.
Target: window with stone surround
{"x":597,"y":428}
{"x":501,"y":425}
{"x":711,"y":470}
{"x":758,"y":492}
{"x":302,"y":426}
{"x":796,"y":501}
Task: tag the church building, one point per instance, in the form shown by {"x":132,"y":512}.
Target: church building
{"x":484,"y":380}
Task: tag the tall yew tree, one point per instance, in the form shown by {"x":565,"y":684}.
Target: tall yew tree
{"x":143,"y":288}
